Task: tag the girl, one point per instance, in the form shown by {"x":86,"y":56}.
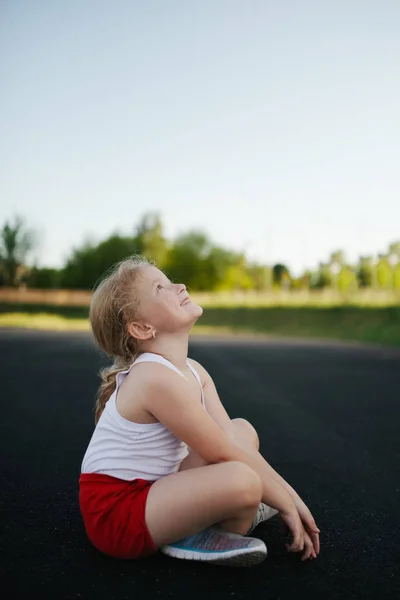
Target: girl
{"x":166,"y":469}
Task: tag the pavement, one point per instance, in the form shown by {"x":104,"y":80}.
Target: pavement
{"x":328,"y":419}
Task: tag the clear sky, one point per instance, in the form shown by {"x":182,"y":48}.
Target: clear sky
{"x":273,"y":126}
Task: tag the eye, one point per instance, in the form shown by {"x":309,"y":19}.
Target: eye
{"x":160,"y":287}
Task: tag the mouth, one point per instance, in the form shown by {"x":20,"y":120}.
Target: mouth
{"x":185,"y":301}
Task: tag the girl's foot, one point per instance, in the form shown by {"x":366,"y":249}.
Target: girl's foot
{"x":264,"y":512}
{"x":218,"y":547}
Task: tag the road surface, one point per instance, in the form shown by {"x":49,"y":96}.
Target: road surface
{"x":328,"y":418}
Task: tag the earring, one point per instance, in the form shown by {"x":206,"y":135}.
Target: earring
{"x":154,"y":335}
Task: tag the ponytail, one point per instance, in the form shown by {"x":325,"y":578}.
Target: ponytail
{"x":114,"y":304}
{"x":108,"y":384}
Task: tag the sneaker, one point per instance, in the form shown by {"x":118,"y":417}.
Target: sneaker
{"x":219,"y":547}
{"x":264,"y":512}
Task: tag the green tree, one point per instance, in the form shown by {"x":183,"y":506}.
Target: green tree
{"x":237,"y":275}
{"x":303,"y":282}
{"x":336,"y":266}
{"x":214,"y":267}
{"x":346,"y":280}
{"x":236,"y":278}
{"x":44,"y":278}
{"x":383,"y":272}
{"x":394,"y":249}
{"x":150,"y":241}
{"x":281,"y":275}
{"x":88,"y":263}
{"x":185,"y":260}
{"x":365,"y":271}
{"x":195,"y":261}
{"x":396,"y":278}
{"x":16,"y":242}
{"x":337,"y":258}
{"x":261,"y":276}
{"x":394,"y":261}
{"x":322,"y":278}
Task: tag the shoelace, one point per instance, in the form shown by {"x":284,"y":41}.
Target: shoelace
{"x":262,"y":512}
{"x":260,"y":516}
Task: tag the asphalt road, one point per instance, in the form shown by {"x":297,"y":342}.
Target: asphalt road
{"x":328,"y":417}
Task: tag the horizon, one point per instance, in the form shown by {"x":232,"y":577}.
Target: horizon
{"x":375,"y":256}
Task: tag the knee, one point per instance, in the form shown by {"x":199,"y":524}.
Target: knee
{"x":243,"y":430}
{"x":247,"y":484}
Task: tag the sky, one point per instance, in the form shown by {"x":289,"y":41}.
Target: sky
{"x":272,"y":126}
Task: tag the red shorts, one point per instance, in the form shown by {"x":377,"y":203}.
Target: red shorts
{"x":113,"y":513}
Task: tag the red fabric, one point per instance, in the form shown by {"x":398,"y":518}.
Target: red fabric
{"x":113,"y":513}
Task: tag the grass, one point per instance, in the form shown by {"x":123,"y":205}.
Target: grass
{"x":43,"y":321}
{"x":371,"y":325}
{"x":305,"y":298}
{"x":365,"y":324}
{"x":302,"y":298}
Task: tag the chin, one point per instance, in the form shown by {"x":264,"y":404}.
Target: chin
{"x":193,"y":314}
{"x":197,"y":310}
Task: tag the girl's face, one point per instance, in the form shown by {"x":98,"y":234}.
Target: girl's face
{"x":164,"y":305}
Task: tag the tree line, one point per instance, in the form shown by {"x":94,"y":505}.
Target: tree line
{"x":192,"y":258}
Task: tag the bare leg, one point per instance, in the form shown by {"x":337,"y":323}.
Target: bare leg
{"x":186,"y":502}
{"x":243,"y":435}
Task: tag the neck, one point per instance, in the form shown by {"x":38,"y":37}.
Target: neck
{"x":172,"y":347}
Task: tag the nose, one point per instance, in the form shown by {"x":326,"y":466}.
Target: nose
{"x":181,"y":288}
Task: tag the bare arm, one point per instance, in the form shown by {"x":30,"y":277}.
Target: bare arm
{"x":217,"y":411}
{"x":265,"y":471}
{"x":170,"y":401}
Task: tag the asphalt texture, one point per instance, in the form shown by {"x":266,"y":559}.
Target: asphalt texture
{"x":328,"y":418}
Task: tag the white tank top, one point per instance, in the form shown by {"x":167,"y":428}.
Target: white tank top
{"x":128,"y":450}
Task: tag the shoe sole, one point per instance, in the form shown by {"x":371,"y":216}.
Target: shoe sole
{"x":245,"y":558}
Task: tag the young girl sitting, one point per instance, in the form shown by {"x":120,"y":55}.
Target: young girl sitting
{"x":166,"y":468}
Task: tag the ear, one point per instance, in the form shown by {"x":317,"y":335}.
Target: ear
{"x":140,"y":331}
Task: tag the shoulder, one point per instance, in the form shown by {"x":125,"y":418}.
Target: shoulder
{"x":151,"y":376}
{"x":149,"y":384}
{"x":203,"y":374}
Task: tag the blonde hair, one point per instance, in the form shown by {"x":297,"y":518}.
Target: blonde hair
{"x":114,"y":304}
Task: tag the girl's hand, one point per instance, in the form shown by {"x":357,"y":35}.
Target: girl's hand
{"x":309,"y":551}
{"x":292,"y":521}
{"x":308,"y":523}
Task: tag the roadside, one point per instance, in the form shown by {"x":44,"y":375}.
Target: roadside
{"x":379,"y":325}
